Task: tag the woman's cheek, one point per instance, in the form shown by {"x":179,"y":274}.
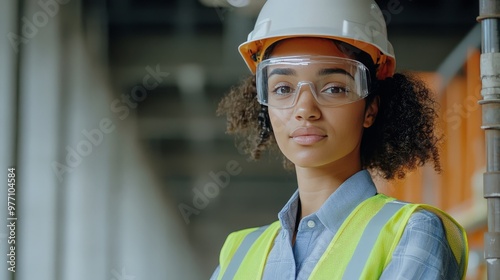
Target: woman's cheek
{"x":279,"y":121}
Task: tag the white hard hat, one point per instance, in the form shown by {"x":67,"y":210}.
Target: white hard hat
{"x":357,"y":22}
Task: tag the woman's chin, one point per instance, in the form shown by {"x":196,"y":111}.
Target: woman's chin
{"x":308,"y":162}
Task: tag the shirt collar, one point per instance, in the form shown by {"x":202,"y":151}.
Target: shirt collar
{"x":288,"y":214}
{"x":338,"y":206}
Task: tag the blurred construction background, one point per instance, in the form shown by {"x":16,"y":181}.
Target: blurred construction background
{"x":124,"y":170}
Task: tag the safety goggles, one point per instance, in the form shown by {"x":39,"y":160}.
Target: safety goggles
{"x":333,"y":81}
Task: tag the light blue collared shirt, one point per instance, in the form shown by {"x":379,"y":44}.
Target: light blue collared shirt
{"x":422,"y":253}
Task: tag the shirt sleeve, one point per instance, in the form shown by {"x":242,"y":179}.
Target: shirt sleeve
{"x":423,"y":251}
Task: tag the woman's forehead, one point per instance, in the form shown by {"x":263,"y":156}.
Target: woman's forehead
{"x":307,"y":46}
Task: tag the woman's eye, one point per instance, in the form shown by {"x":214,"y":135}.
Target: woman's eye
{"x":282,"y":90}
{"x":335,"y":90}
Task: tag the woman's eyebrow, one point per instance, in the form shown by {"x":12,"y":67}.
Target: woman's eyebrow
{"x":283,"y":71}
{"x":329,"y":71}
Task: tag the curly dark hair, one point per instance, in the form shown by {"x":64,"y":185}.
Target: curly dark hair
{"x":401,"y":139}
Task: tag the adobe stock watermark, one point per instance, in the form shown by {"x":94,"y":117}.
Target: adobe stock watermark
{"x":121,"y":276}
{"x":460,"y":111}
{"x":201,"y":197}
{"x":39,"y":19}
{"x":121,"y":106}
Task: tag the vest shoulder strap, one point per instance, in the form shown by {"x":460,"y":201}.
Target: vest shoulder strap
{"x":369,"y":238}
{"x":365,"y":221}
{"x":249,"y":246}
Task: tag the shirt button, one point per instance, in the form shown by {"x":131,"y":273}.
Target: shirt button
{"x":311,"y":223}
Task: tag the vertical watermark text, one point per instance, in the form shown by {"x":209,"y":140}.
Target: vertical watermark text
{"x":11,"y":219}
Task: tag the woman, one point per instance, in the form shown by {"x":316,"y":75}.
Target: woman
{"x":325,"y":92}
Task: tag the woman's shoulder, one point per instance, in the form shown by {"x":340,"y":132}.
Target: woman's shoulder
{"x":426,"y":220}
{"x":425,"y":250}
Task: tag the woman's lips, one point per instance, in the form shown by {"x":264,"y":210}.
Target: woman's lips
{"x":308,"y":135}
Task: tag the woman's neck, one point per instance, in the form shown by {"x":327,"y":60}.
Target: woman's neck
{"x":318,"y":183}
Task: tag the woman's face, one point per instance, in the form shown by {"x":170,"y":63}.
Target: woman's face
{"x":309,"y":134}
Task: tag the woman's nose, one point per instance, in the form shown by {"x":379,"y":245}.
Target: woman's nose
{"x":307,"y":106}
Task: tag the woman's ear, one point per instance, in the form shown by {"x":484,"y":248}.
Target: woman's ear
{"x":371,"y":112}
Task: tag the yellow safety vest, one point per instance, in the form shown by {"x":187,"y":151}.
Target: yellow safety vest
{"x":361,"y":249}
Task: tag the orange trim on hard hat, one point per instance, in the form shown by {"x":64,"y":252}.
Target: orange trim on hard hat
{"x":253,"y":52}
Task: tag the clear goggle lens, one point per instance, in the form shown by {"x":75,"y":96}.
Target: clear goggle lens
{"x":333,"y":81}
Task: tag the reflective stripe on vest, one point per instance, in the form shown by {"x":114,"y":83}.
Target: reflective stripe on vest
{"x":368,"y":239}
{"x":242,"y":252}
{"x":361,"y":249}
{"x":254,"y":258}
